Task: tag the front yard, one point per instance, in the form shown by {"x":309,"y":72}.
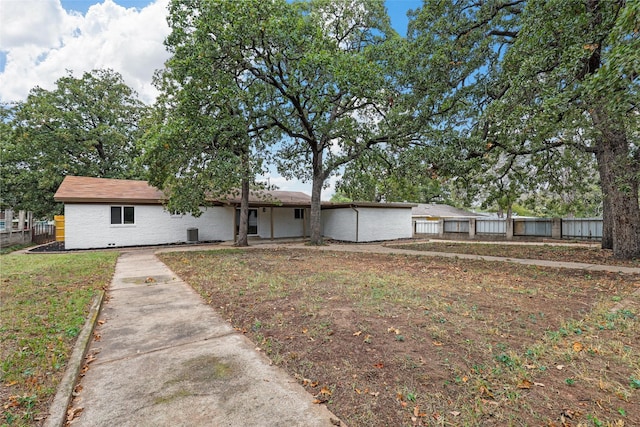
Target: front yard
{"x":380,"y":339}
{"x":405,"y":340}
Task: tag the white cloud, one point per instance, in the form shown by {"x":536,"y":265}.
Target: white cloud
{"x":45,"y":42}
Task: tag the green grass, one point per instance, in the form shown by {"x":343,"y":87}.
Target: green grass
{"x":12,"y":248}
{"x":45,"y":300}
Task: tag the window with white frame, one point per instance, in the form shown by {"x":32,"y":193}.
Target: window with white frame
{"x":298,"y":213}
{"x":122,"y":215}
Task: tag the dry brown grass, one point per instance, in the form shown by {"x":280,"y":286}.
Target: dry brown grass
{"x":407,"y":340}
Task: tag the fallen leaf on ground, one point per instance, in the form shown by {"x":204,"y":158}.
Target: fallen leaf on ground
{"x":357,"y":334}
{"x":379,"y":365}
{"x":577,"y":346}
{"x":525,"y":384}
{"x":485,"y":392}
{"x":73,"y":413}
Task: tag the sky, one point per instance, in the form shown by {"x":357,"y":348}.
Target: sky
{"x":42,"y":40}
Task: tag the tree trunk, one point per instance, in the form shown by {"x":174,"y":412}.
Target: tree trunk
{"x":243,"y":229}
{"x":316,"y":194}
{"x":619,"y":174}
{"x":606,"y":187}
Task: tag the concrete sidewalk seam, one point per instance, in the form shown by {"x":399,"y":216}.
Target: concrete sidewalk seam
{"x":98,"y":362}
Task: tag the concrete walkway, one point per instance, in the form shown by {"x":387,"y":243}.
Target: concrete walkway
{"x":164,"y":358}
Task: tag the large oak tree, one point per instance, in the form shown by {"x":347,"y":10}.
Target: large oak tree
{"x":524,"y":89}
{"x":85,"y":126}
{"x":317,"y":72}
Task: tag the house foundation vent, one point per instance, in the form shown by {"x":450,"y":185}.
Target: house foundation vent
{"x":192,"y":235}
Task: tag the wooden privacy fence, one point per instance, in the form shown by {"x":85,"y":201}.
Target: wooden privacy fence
{"x":43,"y":232}
{"x":535,"y":228}
{"x":18,"y":227}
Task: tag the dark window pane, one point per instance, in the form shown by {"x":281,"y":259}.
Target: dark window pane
{"x":253,"y":222}
{"x":116,"y":215}
{"x":128,"y":215}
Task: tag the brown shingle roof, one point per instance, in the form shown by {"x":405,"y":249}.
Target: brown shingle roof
{"x":81,"y":189}
{"x":266,"y":198}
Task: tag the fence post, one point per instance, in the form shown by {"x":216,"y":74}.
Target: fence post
{"x":441,"y":227}
{"x":472,"y":228}
{"x":556,"y":228}
{"x":8,"y":221}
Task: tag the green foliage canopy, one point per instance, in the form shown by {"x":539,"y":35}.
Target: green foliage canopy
{"x":86,"y":126}
{"x":312,"y":76}
{"x":520,"y":92}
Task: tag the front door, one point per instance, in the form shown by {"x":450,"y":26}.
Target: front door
{"x":253,"y":222}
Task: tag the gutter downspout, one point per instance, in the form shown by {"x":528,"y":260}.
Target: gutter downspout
{"x":357,"y":220}
{"x":235,"y":224}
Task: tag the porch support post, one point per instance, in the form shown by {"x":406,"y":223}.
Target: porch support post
{"x":271,"y":219}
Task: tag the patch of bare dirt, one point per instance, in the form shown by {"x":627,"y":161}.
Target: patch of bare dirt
{"x":403,"y":340}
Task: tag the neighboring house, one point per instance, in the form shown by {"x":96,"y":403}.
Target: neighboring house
{"x":102,"y":213}
{"x":426,"y":218}
{"x":435,"y":211}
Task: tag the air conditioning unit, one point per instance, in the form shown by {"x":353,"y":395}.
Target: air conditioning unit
{"x":192,"y":235}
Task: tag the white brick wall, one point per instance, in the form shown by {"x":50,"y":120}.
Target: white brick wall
{"x":89,"y":226}
{"x":339,"y":224}
{"x":374,"y":224}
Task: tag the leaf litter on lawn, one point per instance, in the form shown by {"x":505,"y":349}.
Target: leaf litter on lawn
{"x":480,"y":341}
